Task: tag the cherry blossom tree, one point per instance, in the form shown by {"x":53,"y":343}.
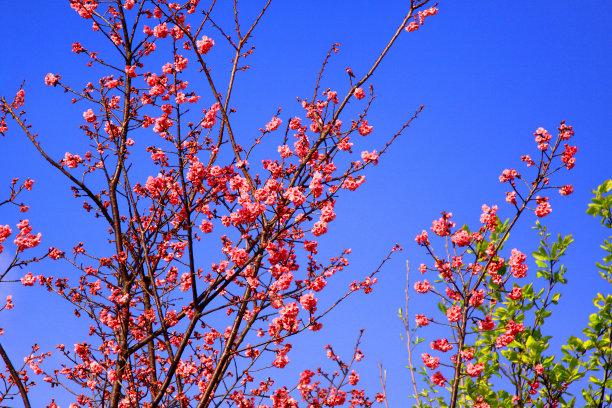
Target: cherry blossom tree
{"x":495,"y":349}
{"x":167,"y":328}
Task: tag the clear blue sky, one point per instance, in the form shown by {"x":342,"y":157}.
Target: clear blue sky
{"x":488,"y":73}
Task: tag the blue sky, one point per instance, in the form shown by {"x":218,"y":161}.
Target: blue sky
{"x":488,"y":73}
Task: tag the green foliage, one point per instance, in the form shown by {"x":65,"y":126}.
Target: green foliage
{"x":601,"y":205}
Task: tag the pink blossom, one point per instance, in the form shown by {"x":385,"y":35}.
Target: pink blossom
{"x":511,"y":197}
{"x":273,"y":124}
{"x":72,"y":161}
{"x":430,"y":362}
{"x":315,"y":184}
{"x":504,"y":340}
{"x":111,"y":375}
{"x":96,"y":367}
{"x":512,"y":329}
{"x":461,"y":238}
{"x":359,"y":94}
{"x":55,"y":253}
{"x":432,"y":11}
{"x":543,"y":207}
{"x":345,"y":144}
{"x":206,"y":227}
{"x":176,"y":33}
{"x":51,"y":79}
{"x":28,"y":279}
{"x":474,"y":370}
{"x":9,"y":302}
{"x":294,"y":124}
{"x":210,"y":116}
{"x":477,"y":297}
{"x":238,"y":256}
{"x":480,"y":403}
{"x":542,"y":137}
{"x":205,"y":44}
{"x":25,"y":239}
{"x":566,"y":190}
{"x":327,"y":212}
{"x":353,"y":378}
{"x":526,"y":158}
{"x":422,"y":287}
{"x":508,"y":175}
{"x":295,"y":195}
{"x":438,"y":379}
{"x":413,"y":26}
{"x":185,"y":282}
{"x":310,"y":246}
{"x":487,"y":324}
{"x":167,"y":68}
{"x":488,"y":217}
{"x":467,"y":354}
{"x":309,"y":302}
{"x":453,"y":314}
{"x":364,"y":129}
{"x":422,"y":238}
{"x":116,"y":39}
{"x":452,"y":294}
{"x":441,"y":345}
{"x":421,"y":320}
{"x":89,"y":116}
{"x":319,"y":228}
{"x":85,"y":8}
{"x":516,"y":293}
{"x":77,"y":48}
{"x":442,"y":226}
{"x":5,"y":232}
{"x":353,"y":183}
{"x":368,"y":157}
{"x":517,"y":262}
{"x":161,"y":30}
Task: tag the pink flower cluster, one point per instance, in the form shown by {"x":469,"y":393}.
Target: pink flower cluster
{"x":517,"y":262}
{"x":205,"y":44}
{"x":422,"y":238}
{"x":72,"y":161}
{"x":30,"y":280}
{"x":453,"y":314}
{"x":461,"y":238}
{"x":508,"y":175}
{"x":420,"y":17}
{"x":474,"y":370}
{"x":442,"y":226}
{"x":25,"y":239}
{"x":512,"y":329}
{"x":5,"y":232}
{"x":568,"y":156}
{"x":421,"y":320}
{"x":273,"y":124}
{"x":364,"y":129}
{"x":85,"y":8}
{"x":542,"y":138}
{"x":430,"y":362}
{"x":488,"y":217}
{"x":51,"y":79}
{"x":441,"y":345}
{"x":422,"y":287}
{"x":543,"y":207}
